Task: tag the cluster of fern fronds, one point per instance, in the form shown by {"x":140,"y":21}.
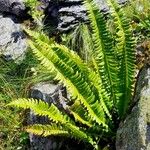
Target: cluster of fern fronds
{"x":97,"y":91}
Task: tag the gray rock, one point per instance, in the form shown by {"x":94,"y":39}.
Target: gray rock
{"x":134,"y":132}
{"x":64,"y":15}
{"x":12,"y":6}
{"x":71,"y":16}
{"x":12,"y":40}
{"x":50,"y":93}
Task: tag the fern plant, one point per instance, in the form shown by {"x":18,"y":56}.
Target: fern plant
{"x":96,"y":91}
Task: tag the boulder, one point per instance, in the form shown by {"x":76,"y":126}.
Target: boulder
{"x":134,"y":132}
{"x":15,"y":7}
{"x":50,"y":93}
{"x":64,"y":15}
{"x":12,"y":40}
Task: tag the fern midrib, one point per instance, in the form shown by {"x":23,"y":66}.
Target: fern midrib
{"x":126,"y":97}
{"x":47,"y":133}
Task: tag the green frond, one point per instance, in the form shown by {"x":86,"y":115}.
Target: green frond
{"x":104,"y":53}
{"x":119,"y":31}
{"x":79,"y":68}
{"x":47,"y":130}
{"x":41,"y":108}
{"x":79,"y":110}
{"x":125,"y":45}
{"x":57,"y":130}
{"x":92,"y":77}
{"x":104,"y":96}
{"x":51,"y":111}
{"x":73,"y":78}
{"x":78,"y":133}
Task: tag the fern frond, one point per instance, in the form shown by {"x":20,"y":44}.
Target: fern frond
{"x":72,"y":60}
{"x":47,"y":130}
{"x":104,"y":96}
{"x":92,"y":77}
{"x":57,"y":130}
{"x":119,"y":31}
{"x":104,"y":53}
{"x":126,"y":50}
{"x":41,"y":108}
{"x":74,"y":80}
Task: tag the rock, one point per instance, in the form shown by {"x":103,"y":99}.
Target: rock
{"x":50,"y":93}
{"x":71,"y":16}
{"x":13,"y":6}
{"x":134,"y":132}
{"x":12,"y":40}
{"x":143,"y":53}
{"x":64,"y":15}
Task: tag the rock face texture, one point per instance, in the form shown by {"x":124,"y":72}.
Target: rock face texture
{"x":50,"y":93}
{"x":12,"y":40}
{"x":13,"y":6}
{"x":134,"y":132}
{"x":63,"y":15}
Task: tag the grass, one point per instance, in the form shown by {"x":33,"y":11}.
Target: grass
{"x":15,"y":81}
{"x":11,"y":134}
{"x":76,"y":41}
{"x":139,"y":12}
{"x":10,"y":119}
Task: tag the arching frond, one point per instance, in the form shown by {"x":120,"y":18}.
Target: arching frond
{"x":41,"y":108}
{"x":80,"y":119}
{"x":71,"y":76}
{"x":51,"y":111}
{"x":79,"y":68}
